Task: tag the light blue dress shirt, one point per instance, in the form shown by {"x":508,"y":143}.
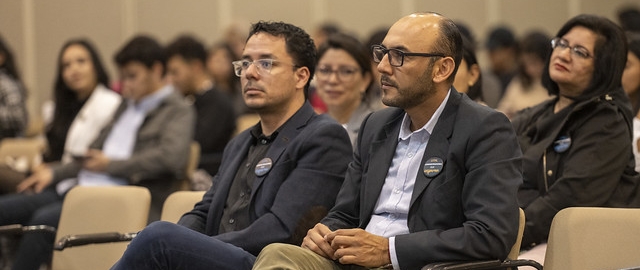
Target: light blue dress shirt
{"x":390,"y":214}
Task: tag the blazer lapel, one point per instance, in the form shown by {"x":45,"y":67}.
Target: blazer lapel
{"x":290,"y":130}
{"x":380,"y":158}
{"x":438,"y":145}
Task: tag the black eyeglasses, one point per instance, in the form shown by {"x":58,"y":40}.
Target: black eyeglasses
{"x":396,"y":57}
{"x":577,"y":50}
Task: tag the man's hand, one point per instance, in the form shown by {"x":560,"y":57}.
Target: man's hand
{"x":40,"y":179}
{"x":356,"y":246}
{"x":96,"y":161}
{"x":316,"y":242}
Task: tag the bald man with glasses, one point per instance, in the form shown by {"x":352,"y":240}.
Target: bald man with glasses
{"x":433,"y":179}
{"x":277,"y":179}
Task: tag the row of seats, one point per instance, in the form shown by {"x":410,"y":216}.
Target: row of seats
{"x":581,"y":238}
{"x":99,"y":210}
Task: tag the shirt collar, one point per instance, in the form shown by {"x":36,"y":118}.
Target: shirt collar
{"x":152,"y":101}
{"x":256,"y":133}
{"x":405,"y":131}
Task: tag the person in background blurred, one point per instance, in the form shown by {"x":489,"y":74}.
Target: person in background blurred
{"x":323,"y":32}
{"x":343,"y":77}
{"x":489,"y":84}
{"x":215,"y":118}
{"x":468,"y":77}
{"x":525,"y":89}
{"x":629,"y":18}
{"x":13,"y":95}
{"x":503,"y":55}
{"x":83,"y":106}
{"x":13,"y":114}
{"x":224,"y":80}
{"x":631,"y":86}
{"x":319,"y":36}
{"x":80,"y":76}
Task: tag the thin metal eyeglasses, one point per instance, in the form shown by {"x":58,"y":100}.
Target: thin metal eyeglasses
{"x":577,"y":50}
{"x":264,"y":66}
{"x":396,"y":57}
{"x":344,"y":74}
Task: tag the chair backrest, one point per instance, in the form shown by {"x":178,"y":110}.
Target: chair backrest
{"x":29,"y":149}
{"x":192,"y":166}
{"x":515,"y":250}
{"x":179,"y":203}
{"x":98,"y":210}
{"x":594,"y":238}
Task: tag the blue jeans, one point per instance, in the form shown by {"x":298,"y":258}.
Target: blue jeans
{"x":39,"y":209}
{"x":164,"y":245}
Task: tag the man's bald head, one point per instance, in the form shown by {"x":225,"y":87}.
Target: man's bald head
{"x":430,"y":32}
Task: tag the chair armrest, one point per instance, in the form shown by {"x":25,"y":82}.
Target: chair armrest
{"x":463,"y":265}
{"x":482,"y":265}
{"x":17,"y":229}
{"x":92,"y":238}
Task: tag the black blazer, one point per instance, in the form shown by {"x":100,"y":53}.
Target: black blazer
{"x":310,"y":156}
{"x":468,"y":211}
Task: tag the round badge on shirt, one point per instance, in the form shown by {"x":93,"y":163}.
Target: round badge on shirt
{"x":264,"y":166}
{"x":562,"y":144}
{"x":432,"y":167}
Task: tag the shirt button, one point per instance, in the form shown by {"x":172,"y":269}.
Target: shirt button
{"x":247,"y":165}
{"x":231,"y":221}
{"x":410,"y":155}
{"x":241,"y":194}
{"x":263,"y":141}
{"x":396,"y":191}
{"x":550,"y":173}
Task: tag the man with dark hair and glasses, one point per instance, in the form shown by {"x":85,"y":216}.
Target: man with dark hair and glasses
{"x":277,"y":178}
{"x":434,"y":179}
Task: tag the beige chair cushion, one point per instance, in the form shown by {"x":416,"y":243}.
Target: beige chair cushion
{"x":179,"y":203}
{"x":98,"y":210}
{"x":594,"y":238}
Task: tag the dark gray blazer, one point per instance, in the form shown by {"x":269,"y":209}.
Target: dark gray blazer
{"x":160,"y":153}
{"x":468,"y":211}
{"x":310,"y":156}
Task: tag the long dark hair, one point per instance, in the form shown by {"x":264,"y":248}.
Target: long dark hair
{"x":469,"y":56}
{"x":610,"y":56}
{"x":633,"y":39}
{"x":9,"y":64}
{"x":64,"y":97}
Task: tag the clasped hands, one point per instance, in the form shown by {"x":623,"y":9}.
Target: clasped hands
{"x":42,"y":176}
{"x":348,"y":246}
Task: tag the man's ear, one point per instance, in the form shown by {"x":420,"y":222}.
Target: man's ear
{"x":443,"y":69}
{"x":302,"y":77}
